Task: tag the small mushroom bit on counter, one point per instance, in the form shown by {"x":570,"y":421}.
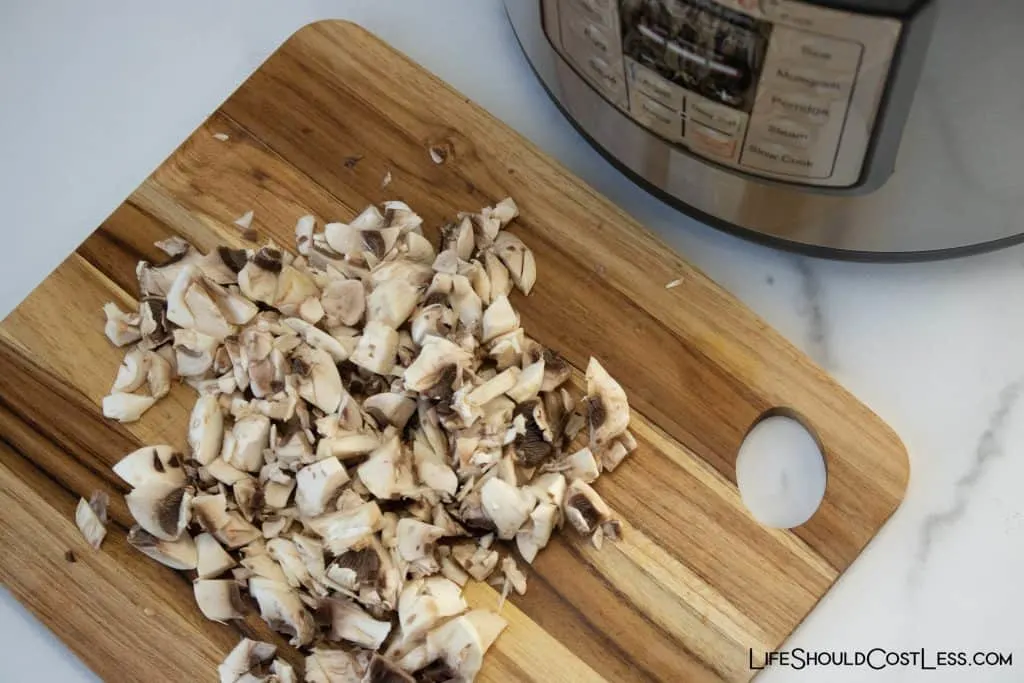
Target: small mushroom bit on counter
{"x":373,"y":428}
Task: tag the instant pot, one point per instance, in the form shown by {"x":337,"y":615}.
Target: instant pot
{"x":884,"y":129}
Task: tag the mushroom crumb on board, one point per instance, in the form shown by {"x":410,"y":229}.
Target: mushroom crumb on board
{"x":373,"y":428}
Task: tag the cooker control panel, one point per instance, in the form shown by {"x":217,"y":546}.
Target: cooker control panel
{"x":776,"y":88}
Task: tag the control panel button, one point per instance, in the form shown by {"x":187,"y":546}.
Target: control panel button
{"x":714,"y":115}
{"x":749,"y":7}
{"x":656,"y":116}
{"x":779,"y":158}
{"x":601,"y":11}
{"x":811,"y":49}
{"x":654,"y":86}
{"x":605,"y":76}
{"x":602,"y":68}
{"x":593,"y":35}
{"x":824,"y":84}
{"x":789,"y":12}
{"x":798,"y":107}
{"x":710,"y":141}
{"x":789,"y":132}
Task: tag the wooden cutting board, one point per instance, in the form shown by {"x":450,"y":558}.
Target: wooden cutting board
{"x":695,"y":582}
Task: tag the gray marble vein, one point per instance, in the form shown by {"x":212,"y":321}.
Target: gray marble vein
{"x":989,"y":448}
{"x":817,"y":342}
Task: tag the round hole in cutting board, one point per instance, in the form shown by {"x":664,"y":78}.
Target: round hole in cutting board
{"x":780,"y":472}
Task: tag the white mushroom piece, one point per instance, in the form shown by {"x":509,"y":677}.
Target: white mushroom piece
{"x":191,"y":304}
{"x":607,"y":407}
{"x":389,"y":408}
{"x":372,"y":429}
{"x":211,"y":558}
{"x":506,"y":506}
{"x":461,"y":642}
{"x":158,"y":375}
{"x":504,"y":211}
{"x":179,"y":554}
{"x":425,"y":602}
{"x":281,"y":607}
{"x":318,"y":484}
{"x":205,"y":429}
{"x":219,"y":600}
{"x":91,"y":518}
{"x":244,"y":448}
{"x":583,"y":508}
{"x":337,"y":666}
{"x":582,"y":465}
{"x":194,"y":352}
{"x":133,"y":371}
{"x":230,"y":528}
{"x":319,"y":381}
{"x":518,"y":258}
{"x":351,"y":623}
{"x":533,"y":536}
{"x":415,"y":542}
{"x":125,"y":407}
{"x":478,"y":561}
{"x":438,"y":363}
{"x":121,"y":328}
{"x":163,"y":509}
{"x":152,"y":463}
{"x":347,"y":529}
{"x":343,"y":301}
{"x":258,"y":279}
{"x":246,"y":658}
{"x":377,"y":348}
{"x":387,"y":472}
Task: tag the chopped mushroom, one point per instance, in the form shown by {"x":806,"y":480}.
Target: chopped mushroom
{"x":247,"y":656}
{"x":335,"y":666}
{"x":179,"y":554}
{"x":219,"y":600}
{"x":281,"y":607}
{"x":351,"y":623}
{"x":318,"y":484}
{"x":211,"y":558}
{"x":132,"y":373}
{"x":514,"y":578}
{"x":91,"y":518}
{"x":161,"y":508}
{"x":607,"y":408}
{"x":583,"y":466}
{"x":284,"y":672}
{"x":462,"y":641}
{"x":152,"y":463}
{"x":518,"y":258}
{"x":377,"y":348}
{"x":506,"y":506}
{"x":206,"y":429}
{"x":424,"y":602}
{"x":373,"y":426}
{"x":125,"y":407}
{"x":533,"y":536}
{"x":583,"y":508}
{"x":121,"y":328}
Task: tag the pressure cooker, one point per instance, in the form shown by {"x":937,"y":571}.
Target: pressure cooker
{"x":880,"y":129}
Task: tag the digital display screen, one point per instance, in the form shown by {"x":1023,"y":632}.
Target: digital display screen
{"x":699,"y":45}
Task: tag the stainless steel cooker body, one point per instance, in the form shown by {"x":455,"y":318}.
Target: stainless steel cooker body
{"x":883,"y":129}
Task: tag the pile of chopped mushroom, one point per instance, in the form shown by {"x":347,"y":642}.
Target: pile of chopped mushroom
{"x":373,"y":428}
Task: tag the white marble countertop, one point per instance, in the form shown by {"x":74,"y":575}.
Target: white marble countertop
{"x":96,"y":94}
